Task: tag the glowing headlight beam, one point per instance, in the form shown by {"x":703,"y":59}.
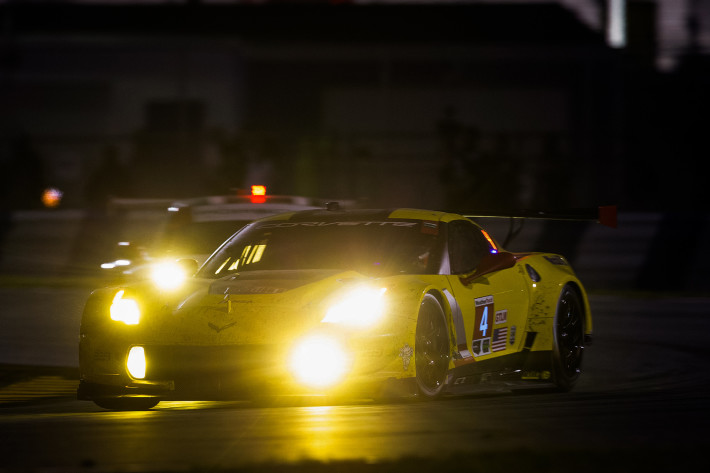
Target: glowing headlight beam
{"x":319,"y":361}
{"x":124,"y":310}
{"x":135,"y":363}
{"x":168,"y":275}
{"x":363,"y":307}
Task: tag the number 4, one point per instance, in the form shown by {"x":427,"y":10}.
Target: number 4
{"x":484,"y":321}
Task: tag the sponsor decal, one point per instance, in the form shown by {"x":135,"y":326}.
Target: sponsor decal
{"x":481,"y":347}
{"x":406,"y":353}
{"x":501,"y":317}
{"x":536,"y":375}
{"x":500,"y":336}
{"x":463,"y":352}
{"x":512,"y":335}
{"x":481,"y":344}
{"x":486,"y":300}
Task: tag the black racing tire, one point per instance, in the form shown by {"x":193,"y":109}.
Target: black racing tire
{"x":432,"y":350}
{"x":126,"y":403}
{"x":568,"y":332}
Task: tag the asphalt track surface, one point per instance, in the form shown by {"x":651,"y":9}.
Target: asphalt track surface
{"x":640,"y":406}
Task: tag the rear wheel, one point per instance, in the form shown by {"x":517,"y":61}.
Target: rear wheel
{"x":126,"y":403}
{"x":569,"y":339}
{"x":431,"y":350}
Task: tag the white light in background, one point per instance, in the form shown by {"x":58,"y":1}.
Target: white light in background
{"x":616,"y":32}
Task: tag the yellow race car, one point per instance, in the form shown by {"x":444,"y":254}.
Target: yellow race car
{"x":377,"y":303}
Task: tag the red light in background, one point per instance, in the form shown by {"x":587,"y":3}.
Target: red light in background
{"x":258,"y":194}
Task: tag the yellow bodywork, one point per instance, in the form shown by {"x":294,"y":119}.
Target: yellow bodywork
{"x":275,"y":314}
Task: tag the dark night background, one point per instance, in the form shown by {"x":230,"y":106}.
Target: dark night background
{"x":469,"y":106}
{"x":451,"y":106}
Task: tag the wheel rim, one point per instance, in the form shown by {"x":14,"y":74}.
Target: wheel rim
{"x":431,"y":350}
{"x":570,"y":334}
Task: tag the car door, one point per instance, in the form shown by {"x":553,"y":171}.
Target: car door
{"x":491,"y":309}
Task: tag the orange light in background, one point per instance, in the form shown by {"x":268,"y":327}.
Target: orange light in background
{"x":258,"y":194}
{"x":51,"y":197}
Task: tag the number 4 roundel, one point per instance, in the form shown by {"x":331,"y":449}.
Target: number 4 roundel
{"x":483,"y":326}
{"x":484,"y":307}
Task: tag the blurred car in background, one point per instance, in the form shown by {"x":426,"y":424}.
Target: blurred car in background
{"x":191,"y":228}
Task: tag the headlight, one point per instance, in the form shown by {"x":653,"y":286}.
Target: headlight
{"x":168,"y":275}
{"x":125,"y":310}
{"x":135,"y":363}
{"x":363,"y":307}
{"x":319,"y":361}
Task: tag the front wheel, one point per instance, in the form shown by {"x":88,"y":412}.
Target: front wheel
{"x":431,"y":350}
{"x":569,"y":339}
{"x":126,"y":403}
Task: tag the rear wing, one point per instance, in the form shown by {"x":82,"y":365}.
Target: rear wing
{"x":606,"y":215}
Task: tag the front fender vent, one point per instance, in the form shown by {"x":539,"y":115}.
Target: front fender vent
{"x":534,"y":275}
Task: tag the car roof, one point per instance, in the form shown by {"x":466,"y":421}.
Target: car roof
{"x":350,"y":215}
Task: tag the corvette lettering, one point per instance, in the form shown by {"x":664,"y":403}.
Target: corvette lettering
{"x":337,"y":224}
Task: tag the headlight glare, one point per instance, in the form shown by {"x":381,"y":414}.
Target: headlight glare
{"x":168,"y":275}
{"x":135,"y":363}
{"x":319,"y":361}
{"x":363,"y":307}
{"x":124,"y":310}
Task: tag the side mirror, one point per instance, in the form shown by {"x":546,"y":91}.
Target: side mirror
{"x":189,"y":265}
{"x":490,"y":263}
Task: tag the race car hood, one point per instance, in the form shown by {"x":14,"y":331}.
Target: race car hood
{"x":251,"y":308}
{"x":267,"y":282}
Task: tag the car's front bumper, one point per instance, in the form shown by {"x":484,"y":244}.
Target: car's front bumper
{"x":179,"y":372}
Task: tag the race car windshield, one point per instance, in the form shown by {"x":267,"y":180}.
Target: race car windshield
{"x":372,"y":248}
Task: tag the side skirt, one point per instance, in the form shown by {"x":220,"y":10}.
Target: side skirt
{"x":526,"y":369}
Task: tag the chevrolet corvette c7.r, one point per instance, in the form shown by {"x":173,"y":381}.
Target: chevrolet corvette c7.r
{"x":376,"y":303}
